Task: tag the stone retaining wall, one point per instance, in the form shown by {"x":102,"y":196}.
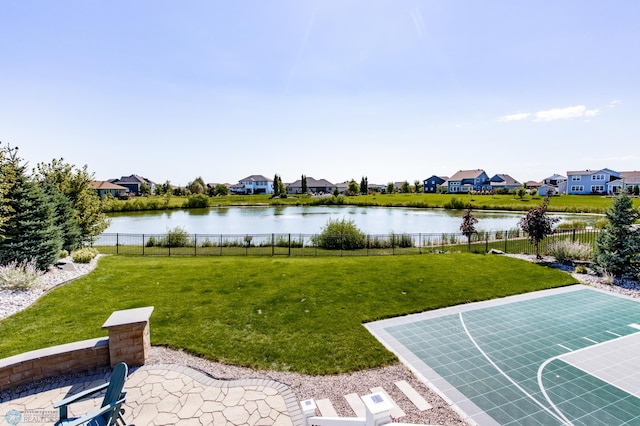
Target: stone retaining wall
{"x":128,"y":341}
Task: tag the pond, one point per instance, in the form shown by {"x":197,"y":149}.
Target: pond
{"x":311,"y":219}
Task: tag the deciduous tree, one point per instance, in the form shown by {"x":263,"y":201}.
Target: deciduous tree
{"x":537,"y":224}
{"x":76,"y":185}
{"x":468,"y":227}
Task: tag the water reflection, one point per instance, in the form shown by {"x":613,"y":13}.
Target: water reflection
{"x":311,"y":219}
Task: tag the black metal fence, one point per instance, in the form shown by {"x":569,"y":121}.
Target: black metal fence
{"x":512,"y":241}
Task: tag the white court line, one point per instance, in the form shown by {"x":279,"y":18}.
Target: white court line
{"x":562,"y":418}
{"x":565,"y":348}
{"x":590,"y":340}
{"x":615,"y":334}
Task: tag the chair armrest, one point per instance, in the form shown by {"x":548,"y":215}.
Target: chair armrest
{"x":80,"y":395}
{"x":92,"y":415}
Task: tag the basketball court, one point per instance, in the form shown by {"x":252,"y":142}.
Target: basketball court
{"x":567,"y":356}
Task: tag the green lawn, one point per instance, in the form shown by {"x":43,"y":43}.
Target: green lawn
{"x":562,"y":203}
{"x":299,"y":314}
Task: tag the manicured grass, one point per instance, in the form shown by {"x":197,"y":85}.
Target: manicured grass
{"x":299,"y":314}
{"x":562,"y":203}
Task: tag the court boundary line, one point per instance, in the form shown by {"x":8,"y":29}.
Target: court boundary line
{"x":559,"y":416}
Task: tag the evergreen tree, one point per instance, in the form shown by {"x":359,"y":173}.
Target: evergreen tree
{"x":618,"y":245}
{"x":31,"y":232}
{"x":64,"y":219}
{"x":304,"y":184}
{"x":364,"y":185}
{"x":7,"y":179}
{"x":276,"y":185}
{"x":405,"y":188}
{"x":538,"y":224}
{"x":468,"y":225}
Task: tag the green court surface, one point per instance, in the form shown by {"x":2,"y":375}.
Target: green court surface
{"x":568,"y":356}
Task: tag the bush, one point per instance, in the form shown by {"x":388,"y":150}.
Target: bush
{"x":19,"y":275}
{"x":176,"y":237}
{"x":63,"y":254}
{"x":454,"y":204}
{"x":574,"y":224}
{"x":339,"y":235}
{"x":564,"y":250}
{"x":580,"y":269}
{"x":84,"y":255}
{"x":196,"y":201}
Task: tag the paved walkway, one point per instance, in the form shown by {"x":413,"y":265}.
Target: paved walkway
{"x":167,"y":395}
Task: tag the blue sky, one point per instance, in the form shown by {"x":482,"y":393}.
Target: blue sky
{"x":392,"y":90}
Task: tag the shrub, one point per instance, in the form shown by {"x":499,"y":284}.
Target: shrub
{"x":152,"y":242}
{"x":84,"y":255}
{"x":63,"y":254}
{"x":19,"y":275}
{"x":339,"y":235}
{"x":574,"y":224}
{"x":454,"y":204}
{"x":564,"y":250}
{"x":196,"y":201}
{"x":581,"y":269}
{"x":176,"y":237}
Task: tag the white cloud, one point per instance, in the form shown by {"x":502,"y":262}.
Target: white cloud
{"x":515,"y":117}
{"x":591,"y":112}
{"x":614,"y":103}
{"x":560,"y":113}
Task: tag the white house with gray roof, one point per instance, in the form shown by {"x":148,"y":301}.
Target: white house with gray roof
{"x":256,"y":184}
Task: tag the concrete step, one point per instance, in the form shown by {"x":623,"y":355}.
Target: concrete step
{"x":413,"y":395}
{"x":356,"y":404}
{"x":326,"y":408}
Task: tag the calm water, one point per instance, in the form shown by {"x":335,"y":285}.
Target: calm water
{"x":311,"y":219}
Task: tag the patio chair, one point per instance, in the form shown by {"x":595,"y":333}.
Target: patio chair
{"x":110,"y":412}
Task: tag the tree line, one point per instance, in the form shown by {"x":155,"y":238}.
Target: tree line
{"x":45,"y":211}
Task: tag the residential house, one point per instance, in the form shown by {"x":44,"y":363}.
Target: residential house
{"x":257,"y":184}
{"x":504,"y":181}
{"x":590,"y":181}
{"x":316,"y":186}
{"x":236,"y":188}
{"x":432,"y":183}
{"x":627,"y":180}
{"x":134,"y":183}
{"x":555,"y":180}
{"x":468,"y":180}
{"x":342,"y":186}
{"x":553,"y":185}
{"x":533,"y":185}
{"x":105,"y":187}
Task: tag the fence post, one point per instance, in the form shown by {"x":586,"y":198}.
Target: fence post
{"x":273,"y":244}
{"x":143,"y":244}
{"x":289,"y":245}
{"x":220,"y":244}
{"x":506,"y":237}
{"x":118,"y":243}
{"x":195,"y":244}
{"x":486,"y":243}
{"x":573,"y":237}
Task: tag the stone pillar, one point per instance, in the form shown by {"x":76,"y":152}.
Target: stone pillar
{"x":129,"y":339}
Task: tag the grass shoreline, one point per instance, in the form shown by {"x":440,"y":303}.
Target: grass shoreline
{"x":288,"y":314}
{"x":595,"y":204}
